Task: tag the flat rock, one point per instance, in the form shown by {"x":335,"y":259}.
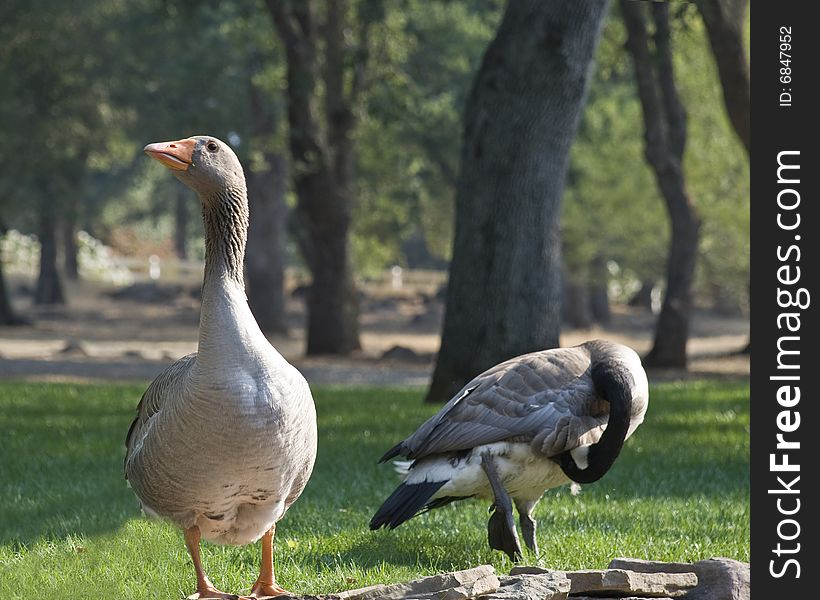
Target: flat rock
{"x":620,"y":582}
{"x":542,"y":586}
{"x":718,"y":578}
{"x":458,"y":585}
{"x":531,"y":570}
{"x":617,"y":598}
{"x":650,"y":566}
{"x":74,"y":348}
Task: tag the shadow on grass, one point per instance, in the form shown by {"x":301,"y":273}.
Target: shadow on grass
{"x":62,"y":448}
{"x":61,"y":460}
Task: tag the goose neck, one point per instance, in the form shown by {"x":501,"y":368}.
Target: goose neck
{"x":225,"y":217}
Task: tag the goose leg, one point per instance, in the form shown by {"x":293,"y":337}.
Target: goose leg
{"x":265,"y":586}
{"x":501,"y":533}
{"x":528,"y":524}
{"x":204,"y":587}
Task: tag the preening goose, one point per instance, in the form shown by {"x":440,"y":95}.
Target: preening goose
{"x":526,"y":425}
{"x":225,"y":438}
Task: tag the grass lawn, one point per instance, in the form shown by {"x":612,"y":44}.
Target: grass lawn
{"x":70,"y":528}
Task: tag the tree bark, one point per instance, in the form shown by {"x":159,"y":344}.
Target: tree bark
{"x":665,"y":137}
{"x":503,"y":293}
{"x":599,"y":291}
{"x":268,"y":228}
{"x":322,"y":161}
{"x":69,"y":239}
{"x":577,"y":304}
{"x":7,"y":314}
{"x":724,"y":21}
{"x":267,"y":237}
{"x":643,"y":297}
{"x":724,"y":26}
{"x":49,"y":285}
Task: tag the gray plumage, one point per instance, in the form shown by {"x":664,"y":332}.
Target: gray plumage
{"x":537,"y":420}
{"x":225,"y":438}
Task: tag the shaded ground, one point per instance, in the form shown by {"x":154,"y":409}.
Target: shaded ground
{"x":98,"y":337}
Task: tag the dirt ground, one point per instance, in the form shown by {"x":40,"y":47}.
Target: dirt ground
{"x":101,"y":337}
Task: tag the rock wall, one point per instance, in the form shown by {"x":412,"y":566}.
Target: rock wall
{"x":625,"y":579}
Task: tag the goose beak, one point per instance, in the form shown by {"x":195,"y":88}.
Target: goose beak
{"x":177,"y":156}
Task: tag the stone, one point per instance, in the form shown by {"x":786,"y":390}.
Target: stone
{"x":718,"y":578}
{"x":530,"y":570}
{"x":618,"y":598}
{"x":650,"y":566}
{"x":399,"y":353}
{"x":619,"y":582}
{"x":74,"y":348}
{"x":458,"y":585}
{"x":541,"y":586}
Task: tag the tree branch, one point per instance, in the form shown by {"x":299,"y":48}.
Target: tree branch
{"x":675,"y":115}
{"x":637,"y":44}
{"x":724,"y":27}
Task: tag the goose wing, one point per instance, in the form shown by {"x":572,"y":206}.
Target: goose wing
{"x":153,"y":399}
{"x":548,"y":395}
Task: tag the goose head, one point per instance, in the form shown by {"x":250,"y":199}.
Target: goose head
{"x":202,"y":162}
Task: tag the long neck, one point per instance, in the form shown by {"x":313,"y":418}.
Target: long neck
{"x":227,"y":329}
{"x":225,"y":215}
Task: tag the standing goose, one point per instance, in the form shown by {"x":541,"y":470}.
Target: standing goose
{"x":526,"y":425}
{"x":225,"y":438}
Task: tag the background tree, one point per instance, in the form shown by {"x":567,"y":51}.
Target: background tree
{"x":665,"y":138}
{"x":611,"y":209}
{"x":54,"y":110}
{"x":267,"y":186}
{"x":322,"y":153}
{"x":408,"y":139}
{"x":503,"y":295}
{"x":725,"y":21}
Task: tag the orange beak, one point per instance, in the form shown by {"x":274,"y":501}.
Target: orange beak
{"x":174,"y":155}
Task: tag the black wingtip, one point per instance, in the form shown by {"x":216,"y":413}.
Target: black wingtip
{"x":404,"y":503}
{"x":392,"y":453}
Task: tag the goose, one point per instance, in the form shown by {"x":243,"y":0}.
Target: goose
{"x":528,"y":424}
{"x":224,"y":440}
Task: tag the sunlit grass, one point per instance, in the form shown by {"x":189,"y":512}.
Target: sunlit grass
{"x":70,"y":527}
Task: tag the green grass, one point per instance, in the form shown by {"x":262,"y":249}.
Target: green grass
{"x":70,"y":528}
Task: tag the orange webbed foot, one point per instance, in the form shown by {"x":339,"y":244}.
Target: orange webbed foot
{"x":267,"y":590}
{"x":207,"y":593}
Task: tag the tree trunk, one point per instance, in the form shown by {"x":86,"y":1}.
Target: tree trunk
{"x":322,"y":163}
{"x":182,"y":218}
{"x":643,"y":297}
{"x":665,"y":137}
{"x":724,"y":26}
{"x":268,"y":229}
{"x":49,"y":286}
{"x":267,"y":237}
{"x":724,"y":21}
{"x":7,"y":314}
{"x":576,"y":303}
{"x":69,"y":239}
{"x":503,"y":294}
{"x":599,"y":292}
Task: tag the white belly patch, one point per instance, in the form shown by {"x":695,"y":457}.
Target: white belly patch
{"x":524,"y":474}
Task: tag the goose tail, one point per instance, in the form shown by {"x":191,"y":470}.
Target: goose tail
{"x":404,"y":503}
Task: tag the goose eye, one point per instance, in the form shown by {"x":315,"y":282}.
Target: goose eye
{"x":212,"y":146}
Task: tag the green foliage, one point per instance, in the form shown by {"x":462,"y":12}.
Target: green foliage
{"x":424,"y":59}
{"x":717,"y":171}
{"x":70,"y":527}
{"x":613,"y":209}
{"x":88,"y":84}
